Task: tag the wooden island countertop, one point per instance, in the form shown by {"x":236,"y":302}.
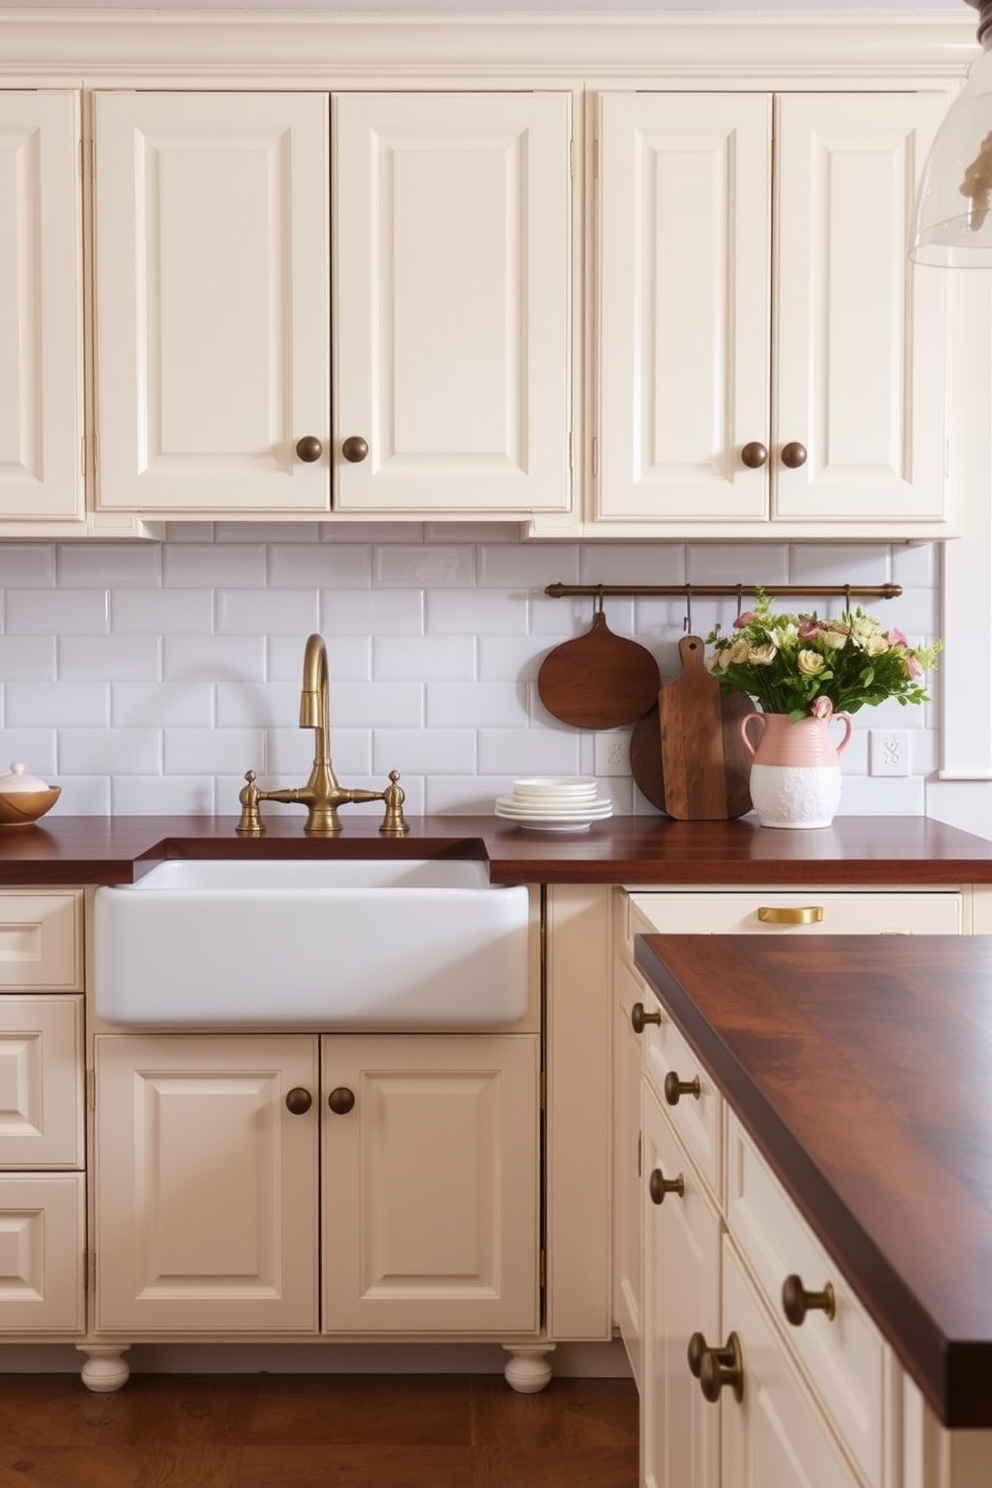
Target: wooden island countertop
{"x":862,"y":1068}
{"x":907,"y":851}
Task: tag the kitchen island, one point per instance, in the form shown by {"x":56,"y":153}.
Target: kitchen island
{"x":861,"y":1069}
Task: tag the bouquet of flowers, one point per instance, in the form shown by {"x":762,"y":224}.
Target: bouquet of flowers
{"x":808,"y":667}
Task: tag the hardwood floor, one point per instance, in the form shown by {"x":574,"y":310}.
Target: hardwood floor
{"x":325,"y":1431}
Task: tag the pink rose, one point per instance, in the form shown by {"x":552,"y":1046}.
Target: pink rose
{"x":822,"y":707}
{"x":744,"y":620}
{"x":809,"y":629}
{"x":913,"y":668}
{"x":896,"y":638}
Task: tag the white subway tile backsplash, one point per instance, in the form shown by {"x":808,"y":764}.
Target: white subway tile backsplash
{"x":56,"y":704}
{"x":110,"y":565}
{"x":320,"y":566}
{"x":108,"y":658}
{"x":267,"y":612}
{"x":215,"y":658}
{"x":149,"y":677}
{"x":30,"y":657}
{"x":27,"y":566}
{"x":432,"y":658}
{"x":162,"y":705}
{"x":56,"y":612}
{"x":162,"y":611}
{"x":439,"y":566}
{"x":214,"y":565}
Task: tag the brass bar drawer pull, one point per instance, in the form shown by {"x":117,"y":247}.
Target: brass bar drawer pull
{"x":659,"y":1186}
{"x":797,"y":1301}
{"x":806,"y":914}
{"x":675,"y":1088}
{"x":716,"y":1367}
{"x":639,"y":1019}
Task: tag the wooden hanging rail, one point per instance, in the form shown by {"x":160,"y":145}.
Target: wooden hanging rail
{"x":725,"y":591}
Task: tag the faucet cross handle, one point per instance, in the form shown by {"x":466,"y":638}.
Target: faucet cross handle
{"x":250,"y":822}
{"x":394,"y":823}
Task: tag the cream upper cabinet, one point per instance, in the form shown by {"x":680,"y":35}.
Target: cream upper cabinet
{"x":41,"y":317}
{"x":211,"y":302}
{"x":769,"y":361}
{"x":452,"y":303}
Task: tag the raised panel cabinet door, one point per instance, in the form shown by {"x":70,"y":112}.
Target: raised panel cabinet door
{"x":42,"y":1239}
{"x":41,"y":1082}
{"x":684,"y":283}
{"x":206,"y":1184}
{"x":212,"y":301}
{"x":452,"y":302}
{"x":680,"y":1431}
{"x":775,"y":1434}
{"x":41,"y":317}
{"x":860,"y":330}
{"x":430,"y":1183}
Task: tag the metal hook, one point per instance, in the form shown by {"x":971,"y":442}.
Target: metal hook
{"x":740,"y":600}
{"x":687,"y":622}
{"x":847,"y":599}
{"x":599,"y":599}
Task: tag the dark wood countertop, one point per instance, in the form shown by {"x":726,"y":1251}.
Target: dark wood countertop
{"x":906,"y":850}
{"x":862,"y":1067}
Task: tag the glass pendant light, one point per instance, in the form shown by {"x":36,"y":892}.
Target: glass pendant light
{"x":953,"y":227}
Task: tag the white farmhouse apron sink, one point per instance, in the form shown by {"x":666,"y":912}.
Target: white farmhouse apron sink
{"x":359,"y":944}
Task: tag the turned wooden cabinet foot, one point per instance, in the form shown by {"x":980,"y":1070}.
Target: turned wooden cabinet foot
{"x":528,"y":1368}
{"x":106,"y":1368}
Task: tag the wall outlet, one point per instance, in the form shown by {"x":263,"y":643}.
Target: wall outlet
{"x":611,"y":752}
{"x":888,"y":752}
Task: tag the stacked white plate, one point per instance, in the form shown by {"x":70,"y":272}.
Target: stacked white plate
{"x":556,"y":804}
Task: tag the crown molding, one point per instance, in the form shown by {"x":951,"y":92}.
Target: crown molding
{"x":57,"y":44}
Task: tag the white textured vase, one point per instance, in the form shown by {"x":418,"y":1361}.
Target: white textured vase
{"x":795,"y":774}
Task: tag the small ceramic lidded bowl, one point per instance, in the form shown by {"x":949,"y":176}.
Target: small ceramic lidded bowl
{"x":23,"y":798}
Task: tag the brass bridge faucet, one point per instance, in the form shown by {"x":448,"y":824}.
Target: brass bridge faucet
{"x":322,"y":795}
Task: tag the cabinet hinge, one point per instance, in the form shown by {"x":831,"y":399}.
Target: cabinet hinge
{"x":91,"y":1089}
{"x":595,"y":455}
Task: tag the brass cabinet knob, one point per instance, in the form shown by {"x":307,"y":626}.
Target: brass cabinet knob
{"x":675,"y":1088}
{"x":341,"y":1100}
{"x":639,"y":1019}
{"x":793,"y":454}
{"x":754,"y":455}
{"x":355,"y":449}
{"x":298,"y":1100}
{"x":659,"y":1186}
{"x":797,"y":1301}
{"x":309,"y":449}
{"x":716,"y":1367}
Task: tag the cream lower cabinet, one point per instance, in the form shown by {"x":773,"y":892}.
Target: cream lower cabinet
{"x":770,"y":362}
{"x":217,"y":1156}
{"x":42,"y":1150}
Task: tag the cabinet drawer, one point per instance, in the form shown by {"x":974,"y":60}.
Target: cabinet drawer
{"x":808,"y":912}
{"x":41,"y":941}
{"x":41,"y":1082}
{"x":41,"y":1253}
{"x":845,"y":1356}
{"x":698,"y":1118}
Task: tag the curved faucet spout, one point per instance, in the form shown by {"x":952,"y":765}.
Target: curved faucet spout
{"x":315,"y":713}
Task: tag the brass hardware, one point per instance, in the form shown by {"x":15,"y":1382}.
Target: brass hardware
{"x":675,"y":1088}
{"x":355,"y":449}
{"x":797,"y":1301}
{"x":309,"y":449}
{"x":808,"y":914}
{"x":716,"y":1367}
{"x":754,"y":455}
{"x":793,"y":455}
{"x":639,"y":1019}
{"x":322,"y":795}
{"x":298,"y":1100}
{"x":659,"y":1186}
{"x":341,"y":1100}
{"x":724,"y":591}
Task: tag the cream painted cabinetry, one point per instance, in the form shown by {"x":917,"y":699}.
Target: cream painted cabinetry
{"x":42,"y":1149}
{"x":447,"y":388}
{"x":41,"y":311}
{"x":770,"y":362}
{"x":218,"y":1155}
